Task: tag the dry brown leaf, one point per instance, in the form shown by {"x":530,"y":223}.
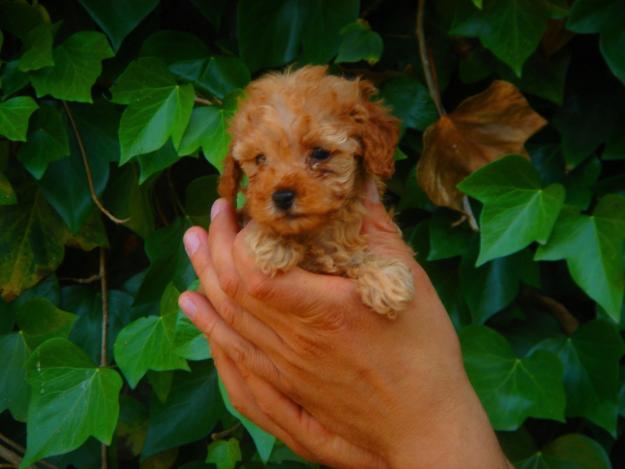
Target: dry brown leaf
{"x":556,"y":37}
{"x":482,"y":129}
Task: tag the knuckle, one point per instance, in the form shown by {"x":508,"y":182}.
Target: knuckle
{"x":229,"y":284}
{"x":258,"y":287}
{"x":230,"y":313}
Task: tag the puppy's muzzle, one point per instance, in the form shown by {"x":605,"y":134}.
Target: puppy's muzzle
{"x":283,"y":198}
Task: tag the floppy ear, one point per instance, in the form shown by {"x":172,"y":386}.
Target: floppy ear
{"x":379,"y":132}
{"x":230,"y":179}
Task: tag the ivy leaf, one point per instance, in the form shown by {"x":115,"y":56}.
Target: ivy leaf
{"x":14,"y":116}
{"x":482,"y":129}
{"x":174,"y":46}
{"x":491,"y":287}
{"x":269,"y":31}
{"x":590,"y":16}
{"x":47,"y":141}
{"x":219,"y":75}
{"x":38,"y":48}
{"x":321,"y":34}
{"x":264,"y":441}
{"x":77,"y":65}
{"x":208,"y":128}
{"x":359,"y":42}
{"x":568,"y":451}
{"x":511,"y":30}
{"x":31,"y":242}
{"x":591,"y":358}
{"x":158,"y":108}
{"x":512,"y":388}
{"x":517,"y":209}
{"x":410,"y":101}
{"x":225,"y":454}
{"x":39,"y":320}
{"x":593,"y":249}
{"x":446,"y":239}
{"x":147,"y":344}
{"x":191,"y":411}
{"x":152,"y":163}
{"x":14,"y":389}
{"x":7,"y":194}
{"x":118,"y":18}
{"x":71,"y":400}
{"x":169,"y":263}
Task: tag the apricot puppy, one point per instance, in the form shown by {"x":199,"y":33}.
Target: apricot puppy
{"x":308,"y":142}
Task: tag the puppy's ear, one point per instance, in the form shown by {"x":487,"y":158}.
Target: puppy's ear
{"x":230,"y":179}
{"x":379,"y":132}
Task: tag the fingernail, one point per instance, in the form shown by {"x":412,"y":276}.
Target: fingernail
{"x":191,"y":243}
{"x":188,"y":306}
{"x":217,"y":207}
{"x":372,"y":191}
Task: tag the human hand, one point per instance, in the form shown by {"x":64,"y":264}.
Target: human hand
{"x":304,"y":358}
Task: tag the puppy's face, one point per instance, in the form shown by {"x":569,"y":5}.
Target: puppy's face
{"x":299,"y":139}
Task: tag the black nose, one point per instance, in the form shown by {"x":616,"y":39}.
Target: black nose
{"x":283,"y":199}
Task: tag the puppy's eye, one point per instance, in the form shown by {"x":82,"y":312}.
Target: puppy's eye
{"x":319,"y":154}
{"x":260,"y":159}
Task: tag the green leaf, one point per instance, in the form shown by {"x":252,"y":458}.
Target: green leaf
{"x":566,"y":452}
{"x":127,"y":199}
{"x":410,"y":101}
{"x":14,"y":389}
{"x":591,"y":358}
{"x":491,"y":287}
{"x":77,"y":65}
{"x":168,"y":263}
{"x":512,"y":388}
{"x":18,"y":17}
{"x":86,"y":303}
{"x":72,"y":399}
{"x":212,"y":10}
{"x":602,"y":17}
{"x":359,"y":42}
{"x":152,"y":163}
{"x":174,"y":46}
{"x":217,"y":75}
{"x":593,"y":249}
{"x":269,"y":31}
{"x":208,"y":128}
{"x":321,"y":35}
{"x":161,"y":382}
{"x":158,"y":108}
{"x":579,"y":183}
{"x":7,"y":194}
{"x":225,"y":454}
{"x":118,"y":18}
{"x":14,"y":116}
{"x":264,"y":441}
{"x":31,"y":242}
{"x":39,"y":320}
{"x":12,"y":79}
{"x":190,"y":413}
{"x":47,"y":141}
{"x":38,"y":48}
{"x":147,"y":344}
{"x":447,"y":239}
{"x":517,"y":209}
{"x":199,"y":197}
{"x":511,"y":30}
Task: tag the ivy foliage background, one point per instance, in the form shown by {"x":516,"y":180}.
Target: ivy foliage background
{"x":113,"y":119}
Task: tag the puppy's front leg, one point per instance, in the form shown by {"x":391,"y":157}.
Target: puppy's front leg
{"x":385,"y":285}
{"x":273,"y":253}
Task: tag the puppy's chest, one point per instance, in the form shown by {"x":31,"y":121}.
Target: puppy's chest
{"x":336,"y":251}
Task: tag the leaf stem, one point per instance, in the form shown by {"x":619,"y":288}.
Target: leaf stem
{"x":225,"y":433}
{"x":567,"y":320}
{"x":85,"y":161}
{"x":429,"y":71}
{"x":10,"y":456}
{"x":207,"y":102}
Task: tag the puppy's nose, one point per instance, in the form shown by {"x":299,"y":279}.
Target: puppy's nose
{"x":283,"y":198}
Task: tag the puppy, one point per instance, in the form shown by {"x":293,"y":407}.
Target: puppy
{"x":308,"y":142}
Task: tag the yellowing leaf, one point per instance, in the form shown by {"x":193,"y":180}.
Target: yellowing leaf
{"x":482,"y":129}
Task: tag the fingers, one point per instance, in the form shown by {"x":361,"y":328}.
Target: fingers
{"x":206,"y":319}
{"x":243,"y":400}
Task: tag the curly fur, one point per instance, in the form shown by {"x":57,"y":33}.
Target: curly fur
{"x":280,"y":121}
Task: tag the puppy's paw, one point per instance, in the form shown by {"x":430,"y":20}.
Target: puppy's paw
{"x":272,"y":253}
{"x":385,"y":285}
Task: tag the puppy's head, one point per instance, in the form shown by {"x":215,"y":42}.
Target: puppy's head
{"x":306,"y":141}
